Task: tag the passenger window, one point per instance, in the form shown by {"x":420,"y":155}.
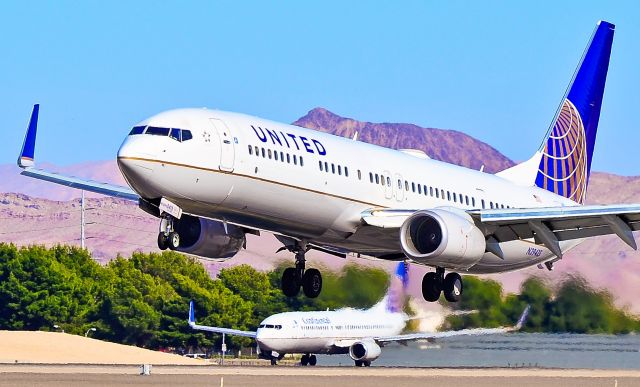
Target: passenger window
{"x":359,"y":175}
{"x":399,"y":184}
{"x":275,"y":155}
{"x":371,"y":177}
{"x":301,"y":161}
{"x":282,"y":156}
{"x":295,"y":160}
{"x":326,"y":167}
{"x":250,"y":150}
{"x":382,"y":180}
{"x":346,"y":171}
{"x":491,"y":205}
{"x":448,"y":196}
{"x":269,"y":153}
{"x":186,"y":135}
{"x":333,"y":168}
{"x":288,"y":159}
{"x":466,"y":199}
{"x":377,"y":179}
{"x":437,"y":194}
{"x":431,"y":191}
{"x":419,"y":189}
{"x":263,"y":152}
{"x":137,"y":130}
{"x":175,"y":134}
{"x":413,"y":187}
{"x":473,"y":202}
{"x":339,"y":170}
{"x":155,"y":131}
{"x":406,"y":186}
{"x":388,"y":181}
{"x":482,"y":202}
{"x":455,"y":200}
{"x":320,"y":164}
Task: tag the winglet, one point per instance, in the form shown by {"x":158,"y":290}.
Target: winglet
{"x":523,"y":318}
{"x":27,"y":155}
{"x":192,"y":314}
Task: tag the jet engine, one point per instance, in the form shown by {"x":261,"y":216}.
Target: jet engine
{"x":442,"y":237}
{"x":366,"y":350}
{"x":208,"y":238}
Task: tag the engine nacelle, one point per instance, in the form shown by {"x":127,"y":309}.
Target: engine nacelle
{"x":207,"y":238}
{"x":441,"y":237}
{"x":366,"y":350}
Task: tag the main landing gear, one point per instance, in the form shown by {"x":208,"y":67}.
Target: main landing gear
{"x":308,"y":360}
{"x":295,"y":277}
{"x":434,"y":283}
{"x":168,"y":238}
{"x":362,"y":363}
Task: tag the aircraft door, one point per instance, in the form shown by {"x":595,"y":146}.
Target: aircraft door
{"x":227,"y":146}
{"x":388,"y":185}
{"x":398,"y":187}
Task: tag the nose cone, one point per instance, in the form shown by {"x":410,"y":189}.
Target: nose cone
{"x":136,"y":162}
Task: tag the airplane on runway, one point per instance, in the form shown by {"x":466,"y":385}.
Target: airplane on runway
{"x":211,"y":177}
{"x":359,"y":333}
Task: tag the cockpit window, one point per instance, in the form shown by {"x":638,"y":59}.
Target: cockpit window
{"x":155,"y":131}
{"x":278,"y":326}
{"x":269,"y":326}
{"x":175,"y":134}
{"x":261,"y":326}
{"x":137,"y":130}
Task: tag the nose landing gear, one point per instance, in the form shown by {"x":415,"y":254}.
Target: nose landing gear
{"x":168,"y":238}
{"x":434,"y":283}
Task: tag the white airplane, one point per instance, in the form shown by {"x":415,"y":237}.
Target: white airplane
{"x":360,"y":333}
{"x":214,"y":176}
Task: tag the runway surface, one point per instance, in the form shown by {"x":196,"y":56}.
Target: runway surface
{"x":100,"y":375}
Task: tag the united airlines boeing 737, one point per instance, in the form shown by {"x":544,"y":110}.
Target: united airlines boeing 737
{"x":359,"y":333}
{"x":211,"y":177}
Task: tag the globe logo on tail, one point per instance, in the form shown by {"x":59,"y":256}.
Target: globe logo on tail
{"x":563,"y":167}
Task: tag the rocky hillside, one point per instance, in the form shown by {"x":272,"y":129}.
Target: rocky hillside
{"x":445,"y":145}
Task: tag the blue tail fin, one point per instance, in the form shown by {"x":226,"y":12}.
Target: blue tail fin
{"x":397,"y":288}
{"x":192,"y":314}
{"x":568,"y":148}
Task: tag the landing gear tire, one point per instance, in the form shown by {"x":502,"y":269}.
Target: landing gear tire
{"x":366,"y":363}
{"x":289,"y":284}
{"x":359,"y":363}
{"x":274,"y":361}
{"x":173,"y":240}
{"x":431,"y":287}
{"x":312,"y":360}
{"x":452,"y":287}
{"x":312,"y":283}
{"x":304,"y":360}
{"x":163,"y":242}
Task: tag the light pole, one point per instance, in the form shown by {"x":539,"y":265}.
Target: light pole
{"x":56,"y":326}
{"x":86,"y":334}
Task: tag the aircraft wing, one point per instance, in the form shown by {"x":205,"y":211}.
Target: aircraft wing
{"x":547,"y":225}
{"x":432,"y":336}
{"x":26,"y":161}
{"x":227,"y":331}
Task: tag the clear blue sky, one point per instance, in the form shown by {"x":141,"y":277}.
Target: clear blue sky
{"x":493,"y":69}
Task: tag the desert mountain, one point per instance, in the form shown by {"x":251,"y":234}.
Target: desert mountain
{"x":444,"y":145}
